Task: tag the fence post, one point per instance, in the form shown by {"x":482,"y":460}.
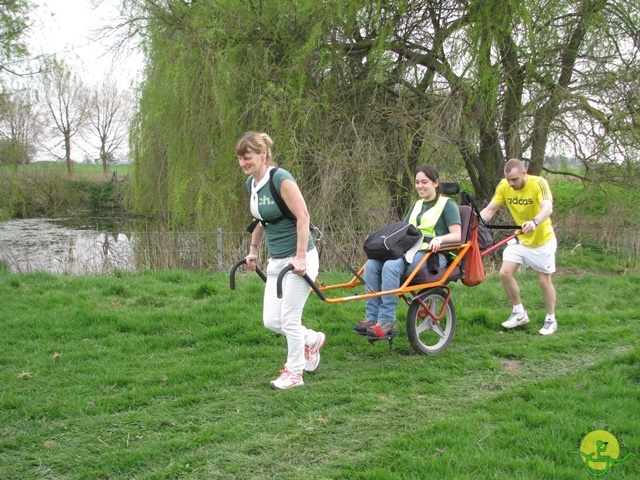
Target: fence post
{"x":219,"y":248}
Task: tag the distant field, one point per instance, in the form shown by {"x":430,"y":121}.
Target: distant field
{"x":79,"y":169}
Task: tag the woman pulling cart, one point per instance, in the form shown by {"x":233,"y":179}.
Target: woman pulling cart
{"x":290,"y":245}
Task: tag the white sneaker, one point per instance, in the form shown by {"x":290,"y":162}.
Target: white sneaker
{"x":516,"y":319}
{"x":550,"y":326}
{"x":312,"y":353}
{"x":287,"y":379}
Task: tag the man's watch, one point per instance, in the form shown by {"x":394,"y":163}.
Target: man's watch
{"x":536,"y":222}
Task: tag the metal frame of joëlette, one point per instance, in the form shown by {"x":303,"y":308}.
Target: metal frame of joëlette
{"x":406,"y":288}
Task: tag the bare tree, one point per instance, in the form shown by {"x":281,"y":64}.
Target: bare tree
{"x":66,"y":99}
{"x":108,"y":118}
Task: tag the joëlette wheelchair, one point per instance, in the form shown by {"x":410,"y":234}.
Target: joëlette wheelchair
{"x":431,"y":318}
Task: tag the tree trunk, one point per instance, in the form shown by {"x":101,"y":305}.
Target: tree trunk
{"x":67,"y":154}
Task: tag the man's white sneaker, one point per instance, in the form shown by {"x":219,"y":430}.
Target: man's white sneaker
{"x":312,"y":353}
{"x":516,"y":319}
{"x":550,"y":326}
{"x":287,"y":379}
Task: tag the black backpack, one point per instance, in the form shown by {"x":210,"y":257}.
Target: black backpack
{"x":392,"y":241}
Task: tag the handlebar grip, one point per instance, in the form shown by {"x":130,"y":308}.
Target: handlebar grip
{"x":308,"y":279}
{"x":232,"y":275}
{"x":281,"y":275}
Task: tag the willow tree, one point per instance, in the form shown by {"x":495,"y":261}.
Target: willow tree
{"x":18,"y":117}
{"x":20,"y":127}
{"x":14,"y":23}
{"x":358,"y":93}
{"x":214,"y":70}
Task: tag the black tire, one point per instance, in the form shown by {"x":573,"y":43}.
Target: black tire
{"x":425,"y":336}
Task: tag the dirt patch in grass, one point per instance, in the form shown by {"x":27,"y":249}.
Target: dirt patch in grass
{"x":512,"y":366}
{"x":572,"y":272}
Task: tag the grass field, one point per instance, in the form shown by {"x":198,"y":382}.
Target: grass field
{"x":166,"y":376}
{"x":80,"y":170}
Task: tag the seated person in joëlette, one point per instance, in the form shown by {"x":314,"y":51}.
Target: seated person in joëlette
{"x":438,"y":218}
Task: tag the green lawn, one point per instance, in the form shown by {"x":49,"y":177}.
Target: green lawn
{"x":166,"y":375}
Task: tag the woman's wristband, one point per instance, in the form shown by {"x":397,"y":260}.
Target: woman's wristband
{"x":256,"y":246}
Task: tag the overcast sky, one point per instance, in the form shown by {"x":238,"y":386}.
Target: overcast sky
{"x":64,"y":28}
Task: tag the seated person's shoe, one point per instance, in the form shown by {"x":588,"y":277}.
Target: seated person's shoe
{"x":382,"y":330}
{"x":363,"y":325}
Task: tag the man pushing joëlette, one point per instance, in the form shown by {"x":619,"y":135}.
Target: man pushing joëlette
{"x":530,"y":203}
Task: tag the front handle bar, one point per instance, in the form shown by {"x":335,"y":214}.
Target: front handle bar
{"x":285,"y":270}
{"x":311,"y":283}
{"x":232,"y":276}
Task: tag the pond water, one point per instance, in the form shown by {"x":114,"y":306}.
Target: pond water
{"x":81,"y":245}
{"x":64,"y":246}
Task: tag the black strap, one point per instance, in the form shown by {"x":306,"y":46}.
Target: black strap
{"x":286,"y":213}
{"x":252,"y":226}
{"x":282,"y":205}
{"x":467,"y":199}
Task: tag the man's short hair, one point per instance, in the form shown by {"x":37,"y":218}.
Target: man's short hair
{"x":515,"y":163}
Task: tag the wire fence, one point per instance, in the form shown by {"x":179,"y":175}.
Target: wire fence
{"x":219,"y":250}
{"x":43,"y":247}
{"x":102,"y":252}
